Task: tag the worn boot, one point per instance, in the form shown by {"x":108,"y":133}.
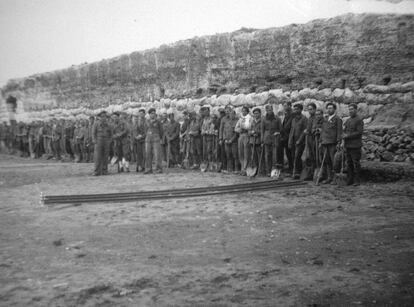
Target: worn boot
{"x":126,"y":166}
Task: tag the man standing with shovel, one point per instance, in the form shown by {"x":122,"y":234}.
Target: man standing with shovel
{"x":255,"y":135}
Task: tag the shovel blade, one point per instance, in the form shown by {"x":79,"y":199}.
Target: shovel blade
{"x":341,"y":179}
{"x":114,"y":160}
{"x":275,"y":174}
{"x":203,"y":166}
{"x":251,"y":171}
{"x":307,"y":173}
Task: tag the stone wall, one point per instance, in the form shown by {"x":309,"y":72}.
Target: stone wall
{"x":348,"y":51}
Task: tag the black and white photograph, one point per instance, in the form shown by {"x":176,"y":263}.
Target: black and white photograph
{"x":206,"y":153}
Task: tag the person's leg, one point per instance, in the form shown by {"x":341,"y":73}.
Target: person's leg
{"x":98,"y":158}
{"x":240,"y":149}
{"x":298,"y":159}
{"x":350,"y":167}
{"x":268,"y":158}
{"x":105,"y":156}
{"x":148,"y":153}
{"x":157,"y":154}
{"x":229,"y":155}
{"x":356,"y":159}
{"x":289,"y":156}
{"x":246,"y":151}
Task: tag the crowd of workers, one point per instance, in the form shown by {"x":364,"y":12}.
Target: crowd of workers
{"x":233,"y":143}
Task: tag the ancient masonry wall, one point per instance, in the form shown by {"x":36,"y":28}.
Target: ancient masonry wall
{"x":367,"y":59}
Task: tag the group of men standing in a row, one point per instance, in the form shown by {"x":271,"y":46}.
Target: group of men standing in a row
{"x":54,"y":139}
{"x":235,"y":143}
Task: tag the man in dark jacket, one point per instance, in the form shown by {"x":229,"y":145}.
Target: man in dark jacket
{"x":255,"y":138}
{"x":172,"y":137}
{"x":352,"y":136}
{"x":310,"y":137}
{"x":297,"y":139}
{"x":101,"y":138}
{"x":138,"y":134}
{"x":153,"y":134}
{"x":271,"y":128}
{"x":284,"y":138}
{"x":331,"y":137}
{"x":228,"y":140}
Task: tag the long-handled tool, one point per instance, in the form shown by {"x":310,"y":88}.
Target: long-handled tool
{"x":319,"y":176}
{"x":186,"y":162}
{"x":275,"y":173}
{"x":219,"y":161}
{"x":212,"y":165}
{"x":204,"y":163}
{"x":317,"y":159}
{"x":252,"y":170}
{"x":260,"y":160}
{"x":341,"y":177}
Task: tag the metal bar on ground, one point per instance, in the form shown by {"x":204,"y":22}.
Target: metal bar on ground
{"x":266,"y":185}
{"x":220,"y":187}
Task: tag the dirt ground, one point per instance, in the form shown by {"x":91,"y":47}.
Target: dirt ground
{"x":310,"y":246}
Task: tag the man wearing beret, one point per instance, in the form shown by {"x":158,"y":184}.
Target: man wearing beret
{"x":101,"y":137}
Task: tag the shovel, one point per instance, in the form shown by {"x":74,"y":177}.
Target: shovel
{"x":316,"y":170}
{"x":204,"y":164}
{"x":213,"y":165}
{"x":260,"y":160}
{"x":168,"y":154}
{"x":319,"y":172}
{"x":219,"y":162}
{"x":275,"y":173}
{"x":186,"y":162}
{"x":341,"y":178}
{"x":251,"y":171}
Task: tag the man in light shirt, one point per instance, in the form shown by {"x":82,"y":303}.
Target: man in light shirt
{"x":242,"y":128}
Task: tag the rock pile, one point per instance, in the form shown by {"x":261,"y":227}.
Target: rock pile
{"x":390,"y":145}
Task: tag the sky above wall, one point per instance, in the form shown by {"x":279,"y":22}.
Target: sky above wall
{"x":44,"y":35}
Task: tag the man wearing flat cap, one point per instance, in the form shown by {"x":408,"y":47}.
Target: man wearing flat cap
{"x":101,"y":137}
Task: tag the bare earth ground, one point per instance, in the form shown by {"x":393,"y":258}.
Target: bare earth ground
{"x":313,"y":246}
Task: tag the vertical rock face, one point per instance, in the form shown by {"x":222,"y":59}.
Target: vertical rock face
{"x":346,"y":51}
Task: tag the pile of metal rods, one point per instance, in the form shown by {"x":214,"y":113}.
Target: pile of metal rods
{"x":168,"y":194}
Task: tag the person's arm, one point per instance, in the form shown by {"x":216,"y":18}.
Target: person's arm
{"x":357,"y":133}
{"x":161,"y":128}
{"x":290,"y":137}
{"x":221,"y":130}
{"x":262,"y":130}
{"x":94,"y":133}
{"x":339,"y":130}
{"x":304,"y":124}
